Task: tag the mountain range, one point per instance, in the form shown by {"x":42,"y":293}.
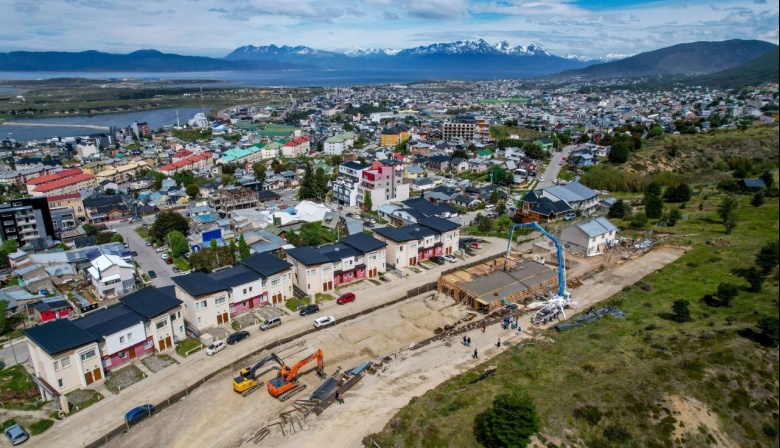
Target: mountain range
{"x":455,"y":60}
{"x":691,"y":59}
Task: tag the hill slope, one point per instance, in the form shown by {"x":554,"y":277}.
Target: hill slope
{"x":691,"y":58}
{"x":760,"y":70}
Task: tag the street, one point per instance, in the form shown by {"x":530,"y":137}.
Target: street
{"x":17,"y":355}
{"x":553,"y":168}
{"x":147,"y":259}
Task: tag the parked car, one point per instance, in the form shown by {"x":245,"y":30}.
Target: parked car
{"x":541,"y":179}
{"x":165,"y":256}
{"x":346,"y":298}
{"x":323,"y":321}
{"x":237,"y":337}
{"x":475,"y":246}
{"x":215,"y":347}
{"x":176,"y":269}
{"x":310,"y":309}
{"x":569,"y":216}
{"x":16,"y":434}
{"x":161,"y":249}
{"x":134,"y":253}
{"x":152,"y":274}
{"x":368,"y":224}
{"x":137,"y":414}
{"x":169,"y":260}
{"x":450,"y":258}
{"x":437,"y":259}
{"x":271,"y":322}
{"x":148,"y":243}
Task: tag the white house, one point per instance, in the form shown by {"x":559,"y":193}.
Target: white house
{"x":111,"y":276}
{"x":589,"y":238}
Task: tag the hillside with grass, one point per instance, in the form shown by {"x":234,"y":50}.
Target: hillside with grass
{"x":694,"y":158}
{"x":660,"y":377}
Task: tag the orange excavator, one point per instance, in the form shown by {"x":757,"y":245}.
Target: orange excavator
{"x":286,"y":383}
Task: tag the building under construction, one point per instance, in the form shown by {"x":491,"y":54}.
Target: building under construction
{"x":482,"y":286}
{"x":229,"y":199}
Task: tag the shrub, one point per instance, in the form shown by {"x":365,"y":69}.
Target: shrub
{"x":588,"y":413}
{"x":680,"y":311}
{"x":727,"y":292}
{"x":509,"y":423}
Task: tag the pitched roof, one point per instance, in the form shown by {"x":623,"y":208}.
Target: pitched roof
{"x":151,"y":302}
{"x":363,"y":242}
{"x":439,"y":224}
{"x":54,"y":177}
{"x":596,"y":227}
{"x":308,"y":256}
{"x":63,"y":182}
{"x":572,"y":192}
{"x":338,"y":251}
{"x":102,"y":323}
{"x":394,"y":234}
{"x":57,"y":336}
{"x":198,"y":284}
{"x":235,"y":276}
{"x":266,"y":264}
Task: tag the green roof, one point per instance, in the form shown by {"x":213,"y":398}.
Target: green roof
{"x":341,"y":138}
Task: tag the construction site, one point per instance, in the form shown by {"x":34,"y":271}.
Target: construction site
{"x":342,"y":382}
{"x":514,"y":279}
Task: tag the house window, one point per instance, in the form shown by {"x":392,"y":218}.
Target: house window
{"x":200,"y":320}
{"x":161,"y":324}
{"x":219,"y":301}
{"x":181,"y":329}
{"x":275,"y":282}
{"x":56,"y":365}
{"x":250,"y":289}
{"x":88,"y":355}
{"x":148,"y":344}
{"x":60,"y":383}
{"x":203,"y":304}
{"x":400,"y":248}
{"x":286,"y":277}
{"x":311,"y":272}
{"x":65,"y":362}
{"x":129,"y":337}
{"x":121,"y":339}
{"x":122,"y":354}
{"x":244,"y":290}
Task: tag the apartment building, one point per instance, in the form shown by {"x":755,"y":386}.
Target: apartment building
{"x":323,"y":268}
{"x":70,"y":354}
{"x":25,"y":219}
{"x":61,"y":182}
{"x":198,"y":162}
{"x":383,"y":184}
{"x":345,"y":188}
{"x":70,"y":201}
{"x":338,"y":144}
{"x":296,"y":147}
{"x":410,"y":244}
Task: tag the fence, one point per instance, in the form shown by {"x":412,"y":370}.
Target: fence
{"x":242,"y":362}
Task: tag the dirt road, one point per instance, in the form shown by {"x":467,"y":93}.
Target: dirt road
{"x":220,"y":418}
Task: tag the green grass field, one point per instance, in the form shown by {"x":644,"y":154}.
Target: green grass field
{"x":611,"y":383}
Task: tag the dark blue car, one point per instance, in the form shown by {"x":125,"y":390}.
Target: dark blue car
{"x":137,"y":414}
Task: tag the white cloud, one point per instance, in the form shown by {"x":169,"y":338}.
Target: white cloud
{"x":215,"y":27}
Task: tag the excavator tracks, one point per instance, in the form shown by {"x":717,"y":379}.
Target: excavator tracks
{"x":251,"y":389}
{"x":291,"y":392}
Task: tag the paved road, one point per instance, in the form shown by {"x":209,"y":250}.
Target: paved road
{"x":554,"y":168}
{"x":17,"y":355}
{"x":147,"y":258}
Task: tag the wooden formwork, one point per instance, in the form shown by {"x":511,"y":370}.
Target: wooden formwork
{"x":451,"y":284}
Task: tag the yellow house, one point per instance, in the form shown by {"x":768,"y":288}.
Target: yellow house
{"x":394,"y":135}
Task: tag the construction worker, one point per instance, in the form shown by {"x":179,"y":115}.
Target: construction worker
{"x":474,"y":356}
{"x":498,"y":343}
{"x":468,"y":342}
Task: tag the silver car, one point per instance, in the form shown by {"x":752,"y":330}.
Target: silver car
{"x":16,"y":434}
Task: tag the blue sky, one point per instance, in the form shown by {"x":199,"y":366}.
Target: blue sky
{"x":215,"y":27}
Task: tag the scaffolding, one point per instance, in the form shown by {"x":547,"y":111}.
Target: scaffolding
{"x":227,"y":200}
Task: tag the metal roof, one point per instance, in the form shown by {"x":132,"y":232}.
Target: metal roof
{"x":198,"y":284}
{"x":596,"y":227}
{"x":58,"y":336}
{"x":266,"y":264}
{"x":439,"y":224}
{"x":151,"y":302}
{"x":363,"y":242}
{"x":102,"y":323}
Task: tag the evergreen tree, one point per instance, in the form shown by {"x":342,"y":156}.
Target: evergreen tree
{"x":510,"y":423}
{"x":243,"y":248}
{"x":768,"y":179}
{"x":726,"y":211}
{"x":368,"y":203}
{"x":758,"y":199}
{"x":494,"y":196}
{"x":320,"y":183}
{"x":727,"y":292}
{"x":673,"y":216}
{"x":618,"y":210}
{"x":680,"y":311}
{"x":307,"y":189}
{"x":768,"y":257}
{"x":618,"y":153}
{"x":654,"y":206}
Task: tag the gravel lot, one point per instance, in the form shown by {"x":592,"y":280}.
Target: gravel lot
{"x":155,"y":363}
{"x":123,"y":378}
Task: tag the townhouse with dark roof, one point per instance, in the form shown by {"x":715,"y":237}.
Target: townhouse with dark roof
{"x":214,"y":299}
{"x":414,"y":209}
{"x":323,"y":268}
{"x":71,"y":354}
{"x":411,"y":244}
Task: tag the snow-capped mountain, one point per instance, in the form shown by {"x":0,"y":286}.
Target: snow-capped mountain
{"x":519,"y":50}
{"x":372,"y":52}
{"x":475,"y":47}
{"x":250,"y":51}
{"x":606,"y":58}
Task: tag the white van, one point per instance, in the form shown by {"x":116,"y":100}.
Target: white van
{"x":215,"y":347}
{"x":271,"y":322}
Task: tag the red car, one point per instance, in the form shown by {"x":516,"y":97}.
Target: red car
{"x":169,"y":261}
{"x":346,"y":298}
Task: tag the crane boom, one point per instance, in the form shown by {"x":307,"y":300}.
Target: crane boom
{"x":558,"y":246}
